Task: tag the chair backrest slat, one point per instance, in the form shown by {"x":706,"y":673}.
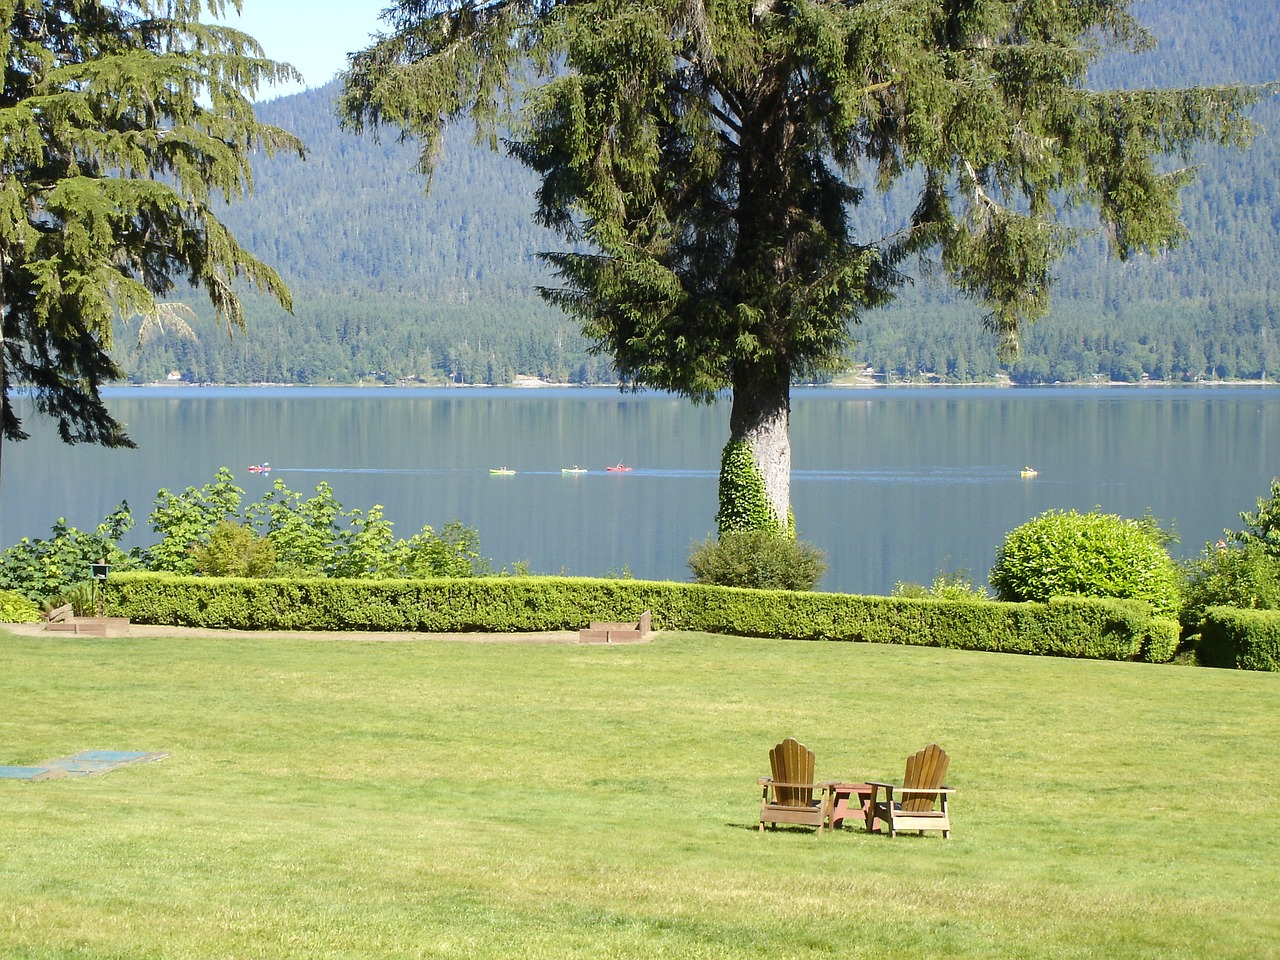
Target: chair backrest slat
{"x":792,"y":762}
{"x":925,"y":769}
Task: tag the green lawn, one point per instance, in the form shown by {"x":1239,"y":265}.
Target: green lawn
{"x":446,"y":799}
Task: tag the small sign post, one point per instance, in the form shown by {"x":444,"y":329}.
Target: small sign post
{"x":99,"y":571}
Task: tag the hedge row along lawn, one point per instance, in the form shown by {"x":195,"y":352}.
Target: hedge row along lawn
{"x":340,"y":799}
{"x":1065,"y":626}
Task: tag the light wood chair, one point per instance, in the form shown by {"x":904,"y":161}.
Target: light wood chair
{"x":921,"y":798}
{"x":789,"y":795}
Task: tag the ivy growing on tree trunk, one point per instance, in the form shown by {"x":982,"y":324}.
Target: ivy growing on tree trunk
{"x":701,"y":158}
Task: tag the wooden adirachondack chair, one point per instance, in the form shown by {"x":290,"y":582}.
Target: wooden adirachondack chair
{"x":920,"y":801}
{"x":789,"y":795}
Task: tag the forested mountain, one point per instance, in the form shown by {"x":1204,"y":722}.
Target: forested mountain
{"x":392,"y":282}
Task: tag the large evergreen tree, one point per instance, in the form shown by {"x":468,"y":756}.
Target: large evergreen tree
{"x":702,"y":157}
{"x":122,"y":123}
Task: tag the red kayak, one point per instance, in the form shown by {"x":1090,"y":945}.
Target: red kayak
{"x":620,"y":468}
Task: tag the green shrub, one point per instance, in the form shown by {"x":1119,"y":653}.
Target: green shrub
{"x":1091,"y":555}
{"x":305,"y":534}
{"x":905,"y":589}
{"x":186,"y":520}
{"x":1263,"y":527}
{"x":1247,"y":578}
{"x":1160,"y":643}
{"x":234,"y":550}
{"x":15,"y":608}
{"x":41,"y":569}
{"x":1247,"y":639}
{"x":204,"y":530}
{"x":764,"y":559}
{"x":947,"y":585}
{"x":82,"y":596}
{"x":1067,"y":627}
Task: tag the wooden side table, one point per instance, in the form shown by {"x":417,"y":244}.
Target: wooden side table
{"x":850,"y":801}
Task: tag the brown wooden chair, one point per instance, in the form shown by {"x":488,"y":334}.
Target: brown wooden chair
{"x":921,"y":799}
{"x":789,"y":795}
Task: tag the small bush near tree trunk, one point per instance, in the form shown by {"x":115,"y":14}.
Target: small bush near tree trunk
{"x":765,"y":559}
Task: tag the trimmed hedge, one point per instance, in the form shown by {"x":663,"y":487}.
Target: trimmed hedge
{"x":1247,"y":639}
{"x":1067,"y":627}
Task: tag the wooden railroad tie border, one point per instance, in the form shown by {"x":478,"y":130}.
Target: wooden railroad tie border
{"x":610,"y":632}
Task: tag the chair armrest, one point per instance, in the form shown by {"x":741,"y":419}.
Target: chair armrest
{"x":876,"y":787}
{"x":906,"y":790}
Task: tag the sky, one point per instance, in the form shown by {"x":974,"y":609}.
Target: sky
{"x":313,"y":35}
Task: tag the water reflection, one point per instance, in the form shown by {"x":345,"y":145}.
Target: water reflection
{"x":892,"y":484}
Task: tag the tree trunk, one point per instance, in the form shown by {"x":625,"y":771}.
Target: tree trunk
{"x":762,"y":266}
{"x":760,"y":419}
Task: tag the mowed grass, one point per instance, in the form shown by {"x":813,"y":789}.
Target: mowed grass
{"x":341,"y":799}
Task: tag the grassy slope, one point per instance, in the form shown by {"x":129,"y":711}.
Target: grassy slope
{"x":421,"y":799}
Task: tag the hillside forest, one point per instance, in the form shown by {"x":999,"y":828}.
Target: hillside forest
{"x":395,"y":283}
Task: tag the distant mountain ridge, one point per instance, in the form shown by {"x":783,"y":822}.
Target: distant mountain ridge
{"x":392,"y":282}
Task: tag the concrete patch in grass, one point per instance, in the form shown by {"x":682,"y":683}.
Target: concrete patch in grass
{"x":83,"y":764}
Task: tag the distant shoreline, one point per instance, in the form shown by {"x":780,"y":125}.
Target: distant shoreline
{"x":862,"y":384}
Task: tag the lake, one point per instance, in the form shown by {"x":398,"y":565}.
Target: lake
{"x":895,"y":484}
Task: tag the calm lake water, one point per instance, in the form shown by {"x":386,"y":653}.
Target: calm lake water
{"x":894,"y":484}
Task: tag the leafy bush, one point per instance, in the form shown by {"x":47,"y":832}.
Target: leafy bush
{"x":185,"y":521}
{"x":42,"y":569}
{"x":1092,"y":555}
{"x":82,"y":596}
{"x":908,"y":590}
{"x":763,"y":558}
{"x":1247,"y":578}
{"x":453,"y":552}
{"x":947,"y":585}
{"x":234,"y":550}
{"x":304,"y":533}
{"x":15,"y":608}
{"x":1263,"y":527}
{"x":204,"y":530}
